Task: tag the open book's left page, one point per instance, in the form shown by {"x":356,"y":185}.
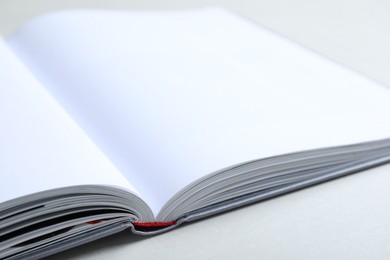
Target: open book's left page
{"x":41,"y":147}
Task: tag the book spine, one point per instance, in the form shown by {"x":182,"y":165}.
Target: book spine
{"x":154,"y":224}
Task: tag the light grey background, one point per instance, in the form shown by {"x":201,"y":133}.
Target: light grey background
{"x":347,"y":218}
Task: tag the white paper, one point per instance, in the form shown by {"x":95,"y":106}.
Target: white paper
{"x":41,"y":147}
{"x":170,"y":97}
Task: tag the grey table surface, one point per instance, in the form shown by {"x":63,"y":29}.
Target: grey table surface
{"x":348,"y":218}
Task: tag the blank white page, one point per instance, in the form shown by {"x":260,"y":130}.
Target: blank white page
{"x":172,"y":96}
{"x":41,"y":147}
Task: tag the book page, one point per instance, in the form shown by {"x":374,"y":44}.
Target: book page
{"x":41,"y":147}
{"x":172,"y":96}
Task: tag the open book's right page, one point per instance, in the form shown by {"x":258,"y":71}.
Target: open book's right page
{"x":172,"y":96}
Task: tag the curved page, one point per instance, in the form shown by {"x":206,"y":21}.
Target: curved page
{"x":172,"y":96}
{"x":41,"y":147}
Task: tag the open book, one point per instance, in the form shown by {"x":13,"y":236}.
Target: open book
{"x":116,"y":120}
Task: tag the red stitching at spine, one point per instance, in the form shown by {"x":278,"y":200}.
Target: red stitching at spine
{"x":154,"y":224}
